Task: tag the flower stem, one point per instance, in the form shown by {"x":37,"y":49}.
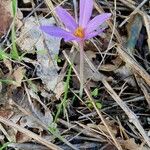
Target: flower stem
{"x":81,"y":67}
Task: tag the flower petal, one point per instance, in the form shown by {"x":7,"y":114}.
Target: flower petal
{"x":98,"y":20}
{"x":57,"y":32}
{"x":66,"y":18}
{"x":93,"y":34}
{"x":86,"y":7}
{"x":73,"y":39}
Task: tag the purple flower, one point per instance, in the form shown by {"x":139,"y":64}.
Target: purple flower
{"x":84,"y":29}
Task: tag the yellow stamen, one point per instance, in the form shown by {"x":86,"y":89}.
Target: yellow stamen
{"x":79,"y":32}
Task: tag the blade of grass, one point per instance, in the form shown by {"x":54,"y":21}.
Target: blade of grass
{"x":3,"y":55}
{"x":63,"y":102}
{"x":8,"y":81}
{"x":4,"y":146}
{"x":14,"y":51}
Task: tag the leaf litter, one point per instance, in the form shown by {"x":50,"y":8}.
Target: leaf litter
{"x":47,"y":48}
{"x":116,"y":64}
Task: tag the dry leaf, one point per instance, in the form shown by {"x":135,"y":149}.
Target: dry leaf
{"x":45,"y":116}
{"x":131,"y":145}
{"x":21,"y":138}
{"x":18,"y":75}
{"x":47,"y":48}
{"x":125,"y":74}
{"x":8,"y":65}
{"x":91,"y":54}
{"x":5,"y":16}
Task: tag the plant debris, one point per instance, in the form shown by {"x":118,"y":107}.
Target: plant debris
{"x":41,"y":106}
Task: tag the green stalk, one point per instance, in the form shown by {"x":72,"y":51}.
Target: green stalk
{"x":62,"y":104}
{"x":14,"y":51}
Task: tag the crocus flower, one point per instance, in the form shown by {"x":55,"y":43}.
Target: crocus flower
{"x":78,"y":31}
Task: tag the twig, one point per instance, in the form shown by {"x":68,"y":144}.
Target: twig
{"x":131,"y":62}
{"x":116,"y":33}
{"x":125,"y":2}
{"x":94,"y":105}
{"x":134,"y":12}
{"x":30,"y":134}
{"x":130,"y":114}
{"x":79,"y":129}
{"x":143,"y":88}
{"x":146,"y":20}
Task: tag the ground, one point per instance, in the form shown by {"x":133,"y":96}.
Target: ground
{"x":40,"y":102}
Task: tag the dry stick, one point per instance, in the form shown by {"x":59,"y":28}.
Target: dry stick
{"x":128,"y":4}
{"x":141,"y":84}
{"x":52,"y":7}
{"x":92,"y":101}
{"x":146,"y":19}
{"x":134,"y":12}
{"x":30,"y":101}
{"x":98,"y":130}
{"x":30,"y":134}
{"x":130,"y":114}
{"x":103,"y":120}
{"x":112,"y":35}
{"x":9,"y":138}
{"x":116,"y":33}
{"x":133,"y":64}
{"x":139,"y":70}
{"x":79,"y":129}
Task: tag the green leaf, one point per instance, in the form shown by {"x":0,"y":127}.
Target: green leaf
{"x":8,"y":81}
{"x":57,"y":59}
{"x":90,"y":105}
{"x":3,"y":55}
{"x":4,"y":146}
{"x":98,"y":105}
{"x":14,"y":51}
{"x":63,"y":102}
{"x":14,"y":7}
{"x":95,"y":92}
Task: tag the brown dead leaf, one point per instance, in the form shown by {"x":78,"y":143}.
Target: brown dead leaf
{"x":6,"y":113}
{"x":5,"y":16}
{"x":18,"y":75}
{"x":28,"y":121}
{"x":108,"y":67}
{"x":21,"y":138}
{"x":8,"y":65}
{"x":130,"y":144}
{"x":90,"y":54}
{"x":59,"y":89}
{"x":104,"y":129}
{"x":44,"y":116}
{"x":111,"y":67}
